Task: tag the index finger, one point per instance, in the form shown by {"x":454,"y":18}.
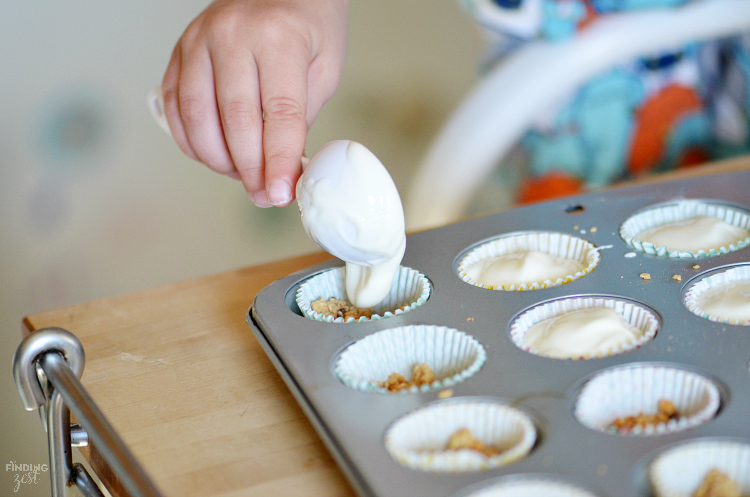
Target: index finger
{"x":282,"y":71}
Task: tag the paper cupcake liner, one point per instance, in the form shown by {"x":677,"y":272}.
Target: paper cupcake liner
{"x":714,"y":281}
{"x":679,"y":471}
{"x":629,"y":390}
{"x":637,"y":315}
{"x":410,"y":289}
{"x":530,"y":487}
{"x":558,"y":244}
{"x":679,"y":211}
{"x":453,"y":356}
{"x":418,"y":440}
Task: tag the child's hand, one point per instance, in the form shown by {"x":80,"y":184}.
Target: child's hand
{"x":245,"y":82}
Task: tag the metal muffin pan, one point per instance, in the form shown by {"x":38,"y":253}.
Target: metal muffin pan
{"x":352,"y":423}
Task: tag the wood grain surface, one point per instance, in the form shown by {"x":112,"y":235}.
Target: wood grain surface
{"x":183,"y":380}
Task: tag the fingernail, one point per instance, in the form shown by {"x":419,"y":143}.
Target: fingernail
{"x":260,"y":199}
{"x":279,"y":192}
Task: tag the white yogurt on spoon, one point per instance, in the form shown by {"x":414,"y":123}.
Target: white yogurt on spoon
{"x":351,"y":208}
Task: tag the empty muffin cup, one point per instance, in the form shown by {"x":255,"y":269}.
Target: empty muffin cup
{"x":627,"y":400}
{"x":530,"y":487}
{"x":451,"y":355}
{"x":584,"y":328}
{"x":528,"y":261}
{"x":722,"y":296}
{"x":409,"y":290}
{"x":496,"y":435}
{"x":681,"y":470}
{"x":688,"y":229}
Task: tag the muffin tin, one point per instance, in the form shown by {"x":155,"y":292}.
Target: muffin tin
{"x":358,"y":423}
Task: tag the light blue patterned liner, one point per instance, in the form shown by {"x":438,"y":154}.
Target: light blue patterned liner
{"x":738,"y":274}
{"x":680,"y":211}
{"x":410,"y":289}
{"x":452,"y":355}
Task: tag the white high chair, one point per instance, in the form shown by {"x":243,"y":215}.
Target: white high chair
{"x":536,"y":78}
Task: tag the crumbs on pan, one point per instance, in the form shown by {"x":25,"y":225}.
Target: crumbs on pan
{"x":339,"y":309}
{"x":445,"y":394}
{"x":677,"y":277}
{"x":593,"y":229}
{"x":645,"y":276}
{"x":422,"y":374}
{"x":470,"y":319}
{"x":667,"y":411}
{"x":696,"y":266}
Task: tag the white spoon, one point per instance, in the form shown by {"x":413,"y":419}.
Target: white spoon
{"x":350,"y":208}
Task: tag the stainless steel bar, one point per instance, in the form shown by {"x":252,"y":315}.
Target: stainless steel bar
{"x":78,"y":436}
{"x":102,"y":435}
{"x":58,"y":441}
{"x":84,"y":482}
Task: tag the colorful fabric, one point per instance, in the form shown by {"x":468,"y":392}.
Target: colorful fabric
{"x":665,"y":110}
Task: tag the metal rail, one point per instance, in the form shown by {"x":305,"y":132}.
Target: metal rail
{"x":47,"y":367}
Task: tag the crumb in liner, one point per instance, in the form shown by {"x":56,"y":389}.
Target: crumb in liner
{"x":667,"y":412}
{"x":422,"y":374}
{"x":717,"y":484}
{"x":339,"y":309}
{"x":463,"y":439}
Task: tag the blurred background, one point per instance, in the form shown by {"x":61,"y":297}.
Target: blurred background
{"x":96,"y":200}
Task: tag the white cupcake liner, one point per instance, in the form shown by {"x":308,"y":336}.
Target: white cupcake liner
{"x":680,"y":211}
{"x":632,"y":389}
{"x":679,"y":471}
{"x":531,"y":487}
{"x":453,"y":356}
{"x":410,"y":289}
{"x":638,"y":316}
{"x":558,"y":244}
{"x":418,"y":439}
{"x":714,"y":281}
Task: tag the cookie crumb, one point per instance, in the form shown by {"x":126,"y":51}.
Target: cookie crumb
{"x":339,"y":309}
{"x":696,"y":266}
{"x":445,"y":394}
{"x":575,"y":227}
{"x":593,"y":229}
{"x":667,"y":412}
{"x":463,"y":439}
{"x":470,"y":319}
{"x":717,"y":484}
{"x":422,"y":374}
{"x":646,"y":276}
{"x":677,"y":277}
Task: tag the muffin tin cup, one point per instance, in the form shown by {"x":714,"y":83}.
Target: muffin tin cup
{"x":452,"y":355}
{"x":636,"y":315}
{"x":418,"y":440}
{"x":555,"y":244}
{"x":637,"y":388}
{"x":681,"y":211}
{"x":530,"y":487}
{"x":679,"y":471}
{"x":409,"y":290}
{"x":722,"y":282}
